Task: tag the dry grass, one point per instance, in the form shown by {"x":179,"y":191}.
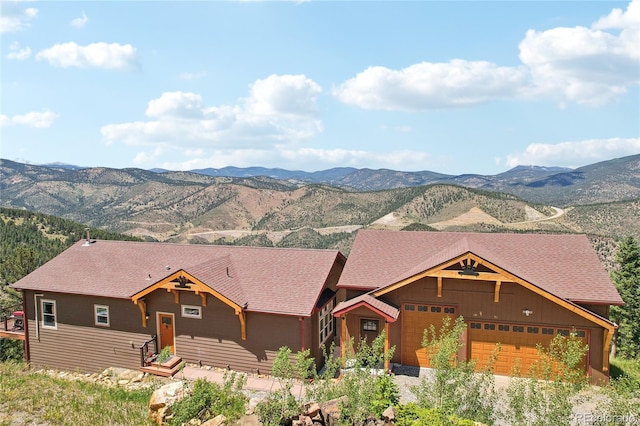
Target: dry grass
{"x":28,"y":397}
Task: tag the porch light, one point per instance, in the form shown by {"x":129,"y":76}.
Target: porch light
{"x":527,"y":312}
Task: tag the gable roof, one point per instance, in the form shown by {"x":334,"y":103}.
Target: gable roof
{"x":272,"y":280}
{"x":564,"y":265}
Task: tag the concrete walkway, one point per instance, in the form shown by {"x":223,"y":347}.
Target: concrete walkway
{"x":254,"y":383}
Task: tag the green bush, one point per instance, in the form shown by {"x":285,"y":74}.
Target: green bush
{"x":11,"y":350}
{"x":413,"y":415}
{"x":455,"y":388}
{"x":211,"y":399}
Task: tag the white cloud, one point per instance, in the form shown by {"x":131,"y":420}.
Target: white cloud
{"x":95,"y":55}
{"x":575,"y":154}
{"x":591,"y":66}
{"x":15,"y":17}
{"x":279,"y":108}
{"x":35,"y":119}
{"x":304,"y":159}
{"x":429,"y":85}
{"x":18,"y":53}
{"x":81,"y":21}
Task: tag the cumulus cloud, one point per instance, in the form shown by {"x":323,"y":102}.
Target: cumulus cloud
{"x":575,"y":154}
{"x":586,"y":65}
{"x":429,"y":85}
{"x":112,"y":56}
{"x":15,"y":17}
{"x":81,"y":21}
{"x":18,"y":53}
{"x":35,"y":119}
{"x":278,"y":108}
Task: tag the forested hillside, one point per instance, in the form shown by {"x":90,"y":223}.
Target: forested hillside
{"x":28,"y":240}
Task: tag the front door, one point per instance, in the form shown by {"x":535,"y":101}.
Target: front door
{"x":165,"y":333}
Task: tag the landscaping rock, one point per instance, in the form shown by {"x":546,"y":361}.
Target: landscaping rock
{"x":219,"y":420}
{"x":251,"y":420}
{"x":163,"y":398}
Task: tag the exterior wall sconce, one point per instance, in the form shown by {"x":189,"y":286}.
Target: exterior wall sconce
{"x":527,"y":312}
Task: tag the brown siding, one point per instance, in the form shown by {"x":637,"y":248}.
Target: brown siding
{"x":216,"y":338}
{"x":475,"y":301}
{"x":78,"y":344}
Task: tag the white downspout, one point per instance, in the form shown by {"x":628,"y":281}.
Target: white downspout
{"x":35,"y":305}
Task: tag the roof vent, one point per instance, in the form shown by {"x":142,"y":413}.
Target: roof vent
{"x":87,"y":241}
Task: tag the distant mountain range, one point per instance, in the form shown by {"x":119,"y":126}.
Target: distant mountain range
{"x":607,"y":181}
{"x":274,"y":207}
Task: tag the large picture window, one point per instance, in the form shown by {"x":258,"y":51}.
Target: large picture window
{"x":49,"y":315}
{"x":101,"y":315}
{"x":326,"y":320}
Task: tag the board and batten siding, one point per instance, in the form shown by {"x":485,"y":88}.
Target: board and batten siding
{"x":77,"y":343}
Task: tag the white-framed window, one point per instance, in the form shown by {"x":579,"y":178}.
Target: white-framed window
{"x":49,"y":314}
{"x":192,"y":311}
{"x":326,"y":320}
{"x":101,"y":315}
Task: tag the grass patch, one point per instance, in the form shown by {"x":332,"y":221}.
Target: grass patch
{"x":39,"y":398}
{"x":625,"y":367}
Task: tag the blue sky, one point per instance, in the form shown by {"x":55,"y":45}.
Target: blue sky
{"x":453,"y":87}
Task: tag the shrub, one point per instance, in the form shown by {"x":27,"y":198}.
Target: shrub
{"x":551,"y":390}
{"x":211,"y":399}
{"x":413,"y":415}
{"x":455,"y":388}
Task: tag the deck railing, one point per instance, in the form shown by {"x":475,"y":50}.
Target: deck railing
{"x":146,"y":354}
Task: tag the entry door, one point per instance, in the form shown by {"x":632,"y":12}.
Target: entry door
{"x":166,"y":334}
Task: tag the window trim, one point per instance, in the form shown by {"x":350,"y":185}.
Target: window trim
{"x":54,"y":314}
{"x":188,"y":315}
{"x":96,"y":315}
{"x":325,"y":321}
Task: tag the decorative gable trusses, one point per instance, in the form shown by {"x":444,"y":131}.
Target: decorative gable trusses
{"x":470,"y":266}
{"x":215,"y":272}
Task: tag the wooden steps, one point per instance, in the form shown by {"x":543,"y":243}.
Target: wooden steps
{"x":165,"y":369}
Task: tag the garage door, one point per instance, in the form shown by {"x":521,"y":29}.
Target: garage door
{"x":517,"y":344}
{"x":415,"y":319}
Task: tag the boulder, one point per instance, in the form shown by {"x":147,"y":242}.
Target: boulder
{"x":331,"y":410}
{"x":219,"y":420}
{"x":251,"y":420}
{"x":163,"y":398}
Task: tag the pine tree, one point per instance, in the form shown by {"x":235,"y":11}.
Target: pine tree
{"x":627,"y":280}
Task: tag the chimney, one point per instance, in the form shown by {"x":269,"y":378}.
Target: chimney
{"x":87,"y":240}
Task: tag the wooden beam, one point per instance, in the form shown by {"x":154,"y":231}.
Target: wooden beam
{"x":496,"y":292}
{"x":203,"y":296}
{"x":482,"y":276}
{"x":243,"y":324}
{"x":439,"y":286}
{"x":142,"y":305}
{"x":343,"y":337}
{"x":606,"y":347}
{"x":386,"y":346}
{"x":176,"y":296}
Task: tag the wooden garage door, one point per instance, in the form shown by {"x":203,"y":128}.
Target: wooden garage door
{"x":517,"y":344}
{"x":415,"y":319}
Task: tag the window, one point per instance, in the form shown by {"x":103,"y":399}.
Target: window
{"x":409,"y":307}
{"x":449,"y":310}
{"x":49,"y":319}
{"x":475,"y":325}
{"x":547,"y":331}
{"x":326,"y":321}
{"x":422,"y":308}
{"x":436,"y":309}
{"x":532,"y":330}
{"x":101,"y":315}
{"x":190,"y":311}
{"x":369,"y":325}
{"x":518,"y":329}
{"x":489,"y":326}
{"x":503,"y":327}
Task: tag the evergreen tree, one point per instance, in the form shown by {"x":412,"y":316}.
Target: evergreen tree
{"x":627,"y":280}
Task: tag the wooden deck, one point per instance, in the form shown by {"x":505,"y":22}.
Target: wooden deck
{"x":165,"y":369}
{"x":8,"y":331}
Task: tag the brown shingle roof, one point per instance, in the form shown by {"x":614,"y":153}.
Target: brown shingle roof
{"x":382,"y":307}
{"x":274,"y":280}
{"x":564,"y":265}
